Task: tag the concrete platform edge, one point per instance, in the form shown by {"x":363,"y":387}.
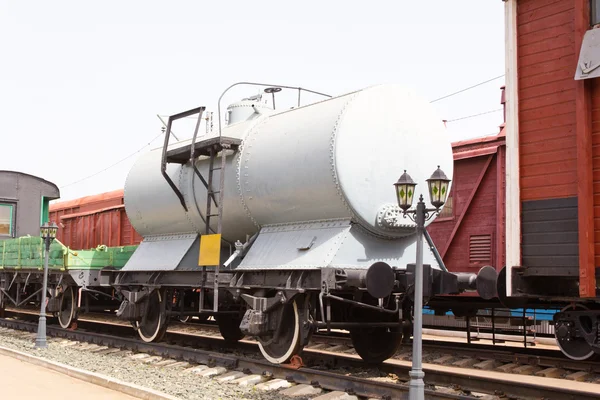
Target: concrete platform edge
{"x":90,"y":377}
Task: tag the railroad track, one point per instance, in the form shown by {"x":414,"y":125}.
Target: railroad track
{"x":509,"y":359}
{"x":542,"y":362}
{"x":451,"y":352}
{"x":213,"y":351}
{"x":299,"y":375}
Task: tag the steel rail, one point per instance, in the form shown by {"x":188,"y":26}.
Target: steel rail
{"x":331,"y":381}
{"x":537,"y":357}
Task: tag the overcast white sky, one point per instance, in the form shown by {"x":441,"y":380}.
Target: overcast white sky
{"x":81,"y":82}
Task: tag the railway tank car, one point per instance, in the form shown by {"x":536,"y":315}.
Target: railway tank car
{"x":286,"y":221}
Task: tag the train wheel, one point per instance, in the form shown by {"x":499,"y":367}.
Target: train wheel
{"x":576,"y":348}
{"x":289,"y":340}
{"x":229,"y":327}
{"x":153,"y":326}
{"x":375,"y":345}
{"x":68,"y":308}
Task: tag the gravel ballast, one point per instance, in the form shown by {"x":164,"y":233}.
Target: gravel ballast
{"x":177,"y":380}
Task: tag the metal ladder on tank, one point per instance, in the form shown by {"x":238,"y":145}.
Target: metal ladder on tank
{"x":210,"y":199}
{"x":210,"y":148}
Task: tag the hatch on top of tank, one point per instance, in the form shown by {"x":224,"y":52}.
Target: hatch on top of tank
{"x":247,"y":109}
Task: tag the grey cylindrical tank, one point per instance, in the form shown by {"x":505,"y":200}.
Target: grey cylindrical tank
{"x":336,"y":159}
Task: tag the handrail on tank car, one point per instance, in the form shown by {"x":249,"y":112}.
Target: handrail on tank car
{"x":163,"y":161}
{"x":263,"y":84}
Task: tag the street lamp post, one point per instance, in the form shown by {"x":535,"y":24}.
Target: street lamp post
{"x":438,"y":190}
{"x":48,"y":233}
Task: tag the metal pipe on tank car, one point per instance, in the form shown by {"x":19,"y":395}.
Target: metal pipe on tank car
{"x":346,"y":325}
{"x":364,"y":305}
{"x":273,"y":90}
{"x":263,"y":84}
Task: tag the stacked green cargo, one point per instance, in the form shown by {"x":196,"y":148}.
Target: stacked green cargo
{"x":99,"y":258}
{"x":27,"y":252}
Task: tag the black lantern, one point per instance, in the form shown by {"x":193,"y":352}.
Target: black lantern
{"x":438,"y":188}
{"x":405,"y":190}
{"x":48,"y":230}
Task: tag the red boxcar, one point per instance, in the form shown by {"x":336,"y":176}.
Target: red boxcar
{"x":90,"y":221}
{"x":553,"y":143}
{"x":469,"y":233}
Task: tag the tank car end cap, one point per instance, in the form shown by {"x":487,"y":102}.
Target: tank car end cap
{"x":486,"y":282}
{"x":380,"y":280}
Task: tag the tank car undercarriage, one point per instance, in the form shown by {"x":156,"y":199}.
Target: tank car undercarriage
{"x":283,"y":308}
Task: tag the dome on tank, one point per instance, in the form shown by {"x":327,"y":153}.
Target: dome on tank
{"x":246,"y":109}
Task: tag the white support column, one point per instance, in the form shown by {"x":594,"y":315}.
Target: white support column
{"x":513,"y":198}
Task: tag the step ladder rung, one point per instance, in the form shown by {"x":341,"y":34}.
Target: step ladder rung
{"x":214,"y":191}
{"x":213,"y":215}
{"x":216,"y":168}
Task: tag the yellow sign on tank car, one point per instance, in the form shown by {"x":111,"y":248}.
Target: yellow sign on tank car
{"x":210,"y":250}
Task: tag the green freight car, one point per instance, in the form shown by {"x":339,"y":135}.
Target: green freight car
{"x":75,"y":284}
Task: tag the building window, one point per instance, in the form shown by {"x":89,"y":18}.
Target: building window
{"x":6,"y":219}
{"x":447,"y":211}
{"x":595,"y":12}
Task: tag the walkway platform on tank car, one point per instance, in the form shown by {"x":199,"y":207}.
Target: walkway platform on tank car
{"x":25,"y":381}
{"x":181,"y":155}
